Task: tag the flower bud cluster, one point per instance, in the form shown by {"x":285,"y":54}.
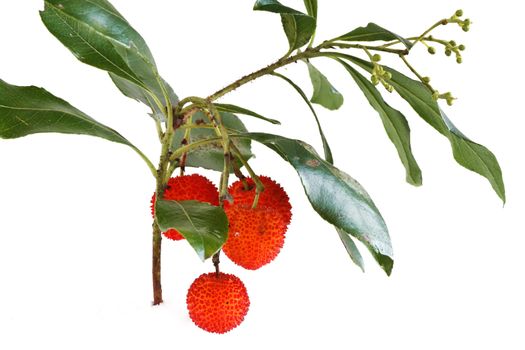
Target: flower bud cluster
{"x":446,"y":96}
{"x":380,"y":75}
{"x":451,"y":47}
{"x":463,"y":23}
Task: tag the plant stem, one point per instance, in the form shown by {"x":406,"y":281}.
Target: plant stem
{"x":156,"y":272}
{"x":434,"y":26}
{"x":161,"y":180}
{"x":308,"y":53}
{"x":157,"y":236}
{"x":372,"y":48}
{"x":184,"y":149}
{"x":259,"y":186}
{"x":416,"y":73}
{"x":146,"y":159}
{"x":417,"y":39}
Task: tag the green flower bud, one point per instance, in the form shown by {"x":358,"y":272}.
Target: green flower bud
{"x":431,"y":50}
{"x":450,"y":101}
{"x":426,"y":80}
{"x":376,"y":57}
{"x":459,"y":59}
{"x":452,"y":43}
{"x":374,"y":79}
{"x":459,"y":13}
{"x":461,"y":47}
{"x":435,"y":96}
{"x":387,"y":75}
{"x":467,"y":21}
{"x":448,"y":52}
{"x":390,"y":88}
{"x":465,"y":28}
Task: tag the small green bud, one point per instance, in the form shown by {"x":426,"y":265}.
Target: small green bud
{"x":376,"y":57}
{"x":390,"y":88}
{"x":452,"y":43}
{"x":426,"y":80}
{"x":467,"y":21}
{"x":387,"y":75}
{"x":450,"y":101}
{"x":459,"y":59}
{"x":459,"y":13}
{"x":435,"y":96}
{"x":374,"y":79}
{"x":461,"y":47}
{"x":448,"y":52}
{"x":465,"y":28}
{"x":431,"y":50}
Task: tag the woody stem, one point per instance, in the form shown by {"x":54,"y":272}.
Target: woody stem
{"x":157,"y":286}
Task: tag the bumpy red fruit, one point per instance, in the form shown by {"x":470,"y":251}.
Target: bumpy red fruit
{"x":256,"y":236}
{"x":217,"y":303}
{"x":185,"y":188}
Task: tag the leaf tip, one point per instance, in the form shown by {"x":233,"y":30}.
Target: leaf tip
{"x":415,"y":181}
{"x":387,"y":264}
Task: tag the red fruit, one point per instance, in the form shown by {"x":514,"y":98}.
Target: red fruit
{"x":256,"y":236}
{"x":217,"y":303}
{"x":185,"y":188}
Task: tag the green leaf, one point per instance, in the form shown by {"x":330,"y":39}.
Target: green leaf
{"x":298,"y":26}
{"x":204,"y":226}
{"x":211,"y":156}
{"x":351,"y":249}
{"x":98,"y":35}
{"x":395,"y":124}
{"x":324,"y":93}
{"x":311,"y":7}
{"x":26,"y":110}
{"x":475,"y":157}
{"x":467,"y":153}
{"x":135,"y":92}
{"x":336,"y":196}
{"x":240,"y":110}
{"x":326,"y":147}
{"x":373,"y":32}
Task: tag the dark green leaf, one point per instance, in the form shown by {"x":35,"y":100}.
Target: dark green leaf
{"x":476,"y":157}
{"x":311,"y":7}
{"x":326,"y":147}
{"x":26,"y":110}
{"x":351,"y":249}
{"x":204,"y":226}
{"x":135,"y":92}
{"x":211,"y":156}
{"x":373,"y":32}
{"x":467,"y":153}
{"x":395,"y":124}
{"x":97,"y":34}
{"x":298,"y":26}
{"x":240,"y":110}
{"x":324,"y":93}
{"x":336,"y":197}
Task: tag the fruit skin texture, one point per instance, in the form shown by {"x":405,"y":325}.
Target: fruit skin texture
{"x":217,"y":303}
{"x":185,"y":188}
{"x":256,"y":236}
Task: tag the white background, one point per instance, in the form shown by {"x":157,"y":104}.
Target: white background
{"x":75,"y":223}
